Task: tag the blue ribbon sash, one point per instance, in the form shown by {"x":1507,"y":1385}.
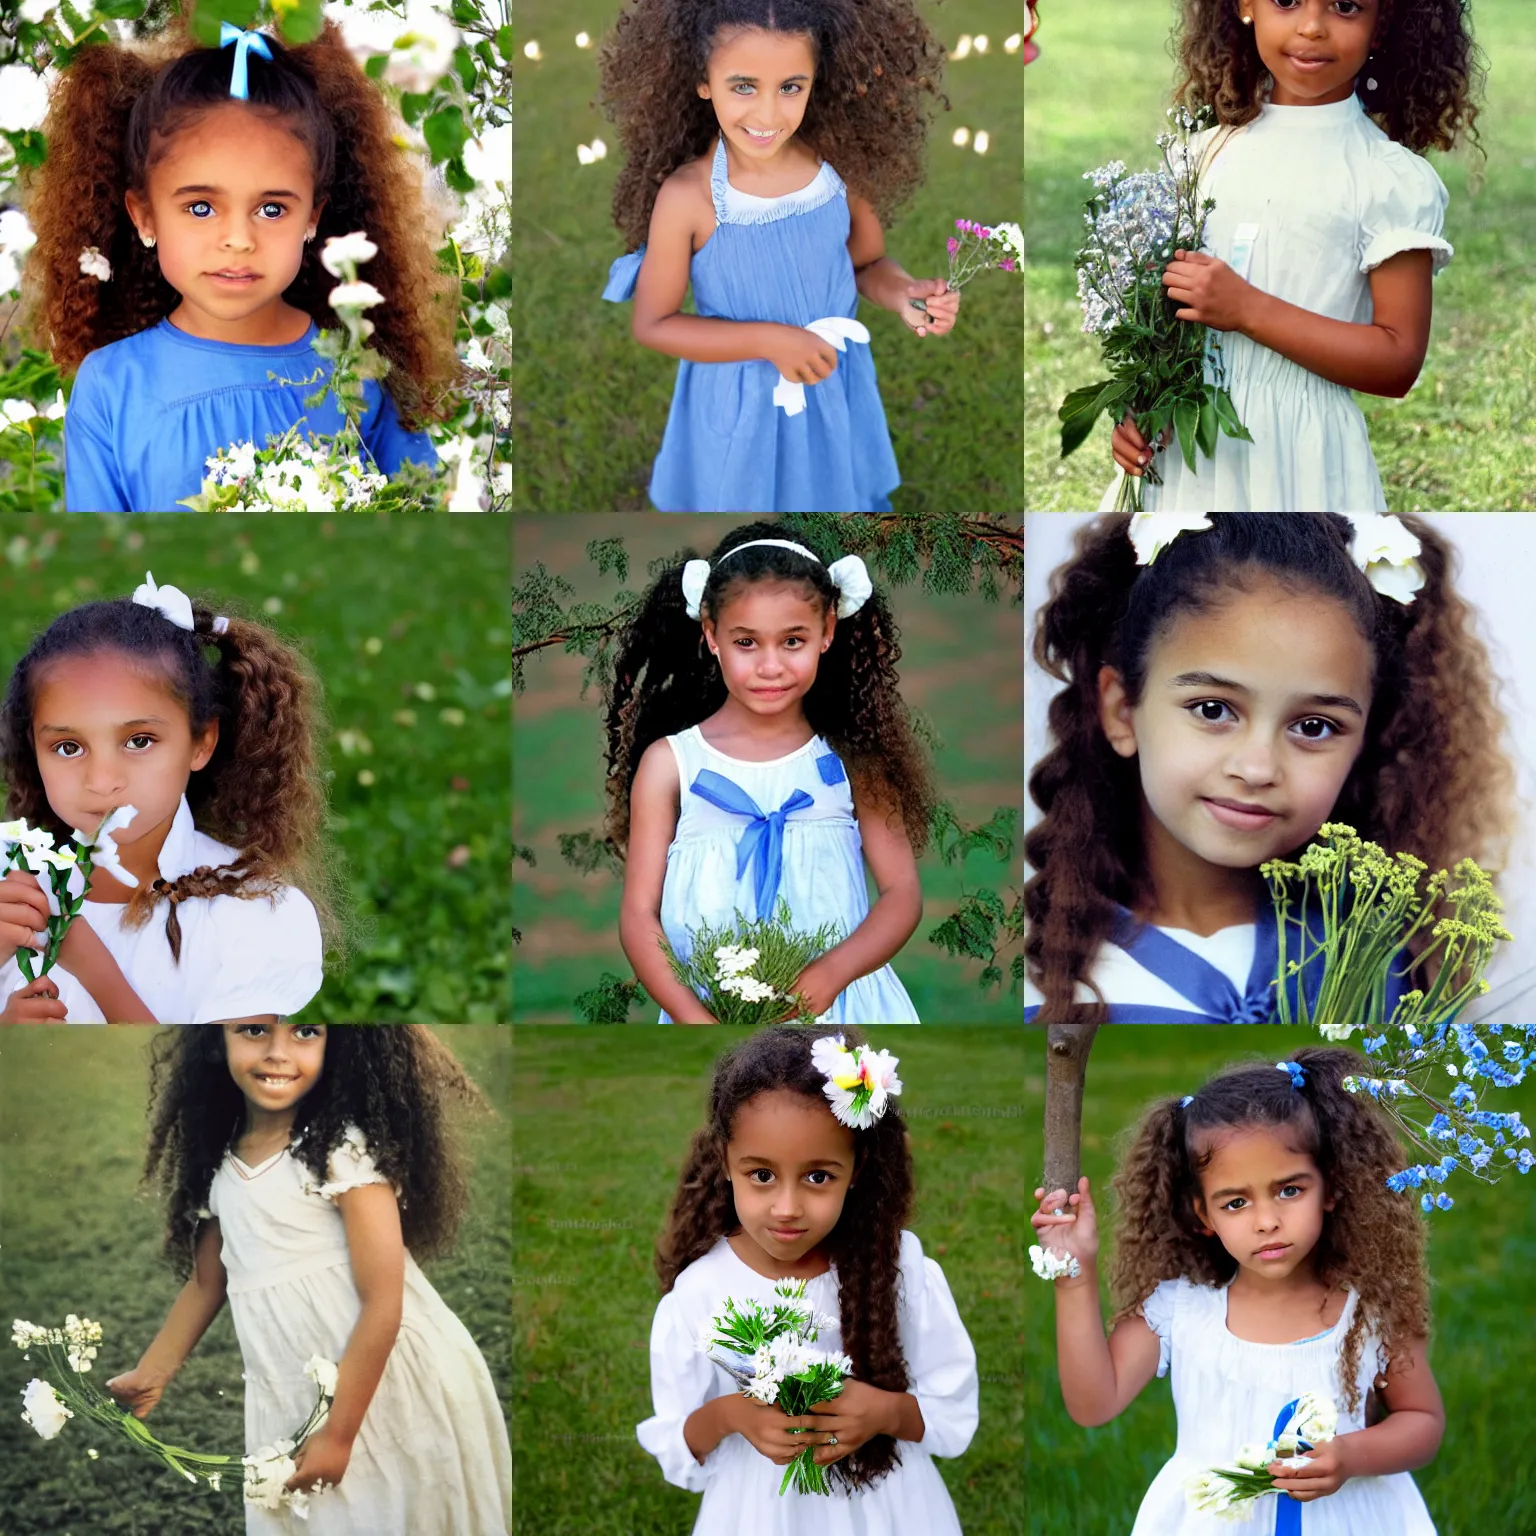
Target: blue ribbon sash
{"x":762,"y":843}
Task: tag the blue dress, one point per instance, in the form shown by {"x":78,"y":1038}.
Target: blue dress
{"x":728,"y":447}
{"x":749,"y":833}
{"x":147,"y":411}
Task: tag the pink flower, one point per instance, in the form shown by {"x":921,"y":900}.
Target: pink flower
{"x":1006,"y":265}
{"x":952,"y":245}
{"x":959,"y":223}
{"x":986,"y":234}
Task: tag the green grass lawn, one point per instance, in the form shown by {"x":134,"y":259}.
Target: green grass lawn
{"x":590,"y":403}
{"x":1481,"y":1266}
{"x":961,"y":667}
{"x":78,"y":1237}
{"x":1462,"y":439}
{"x":407,"y":623}
{"x":583,"y":1297}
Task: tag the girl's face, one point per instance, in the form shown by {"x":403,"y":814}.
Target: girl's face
{"x":790,"y":1165}
{"x":1251,"y":717}
{"x":770,"y":637}
{"x":1313,"y":49}
{"x":1264,"y":1200}
{"x":108,"y":732}
{"x":235,"y":192}
{"x":274,"y":1065}
{"x":759,"y":83}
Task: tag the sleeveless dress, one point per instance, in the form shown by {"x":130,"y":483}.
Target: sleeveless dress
{"x":432,"y":1457}
{"x":1309,"y":201}
{"x":805,"y":847}
{"x":1228,"y":1393}
{"x":728,"y":447}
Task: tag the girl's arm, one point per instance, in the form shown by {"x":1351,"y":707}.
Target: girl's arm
{"x":1381,"y":358}
{"x":193,"y":1310}
{"x":883,"y":282}
{"x":893,"y":919}
{"x":86,"y":957}
{"x":653,"y":813}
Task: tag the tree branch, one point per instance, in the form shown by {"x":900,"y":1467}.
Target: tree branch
{"x":1066,"y":1069}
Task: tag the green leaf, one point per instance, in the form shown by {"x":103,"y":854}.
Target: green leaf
{"x":376,"y":66}
{"x":301,"y":23}
{"x":1205,"y":433}
{"x":464,"y":62}
{"x":1226,"y":413}
{"x":457,"y":177}
{"x":1186,"y":420}
{"x":504,"y":43}
{"x":1078,"y":413}
{"x":413,"y":104}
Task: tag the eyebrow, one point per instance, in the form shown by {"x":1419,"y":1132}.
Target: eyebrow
{"x":1211,"y":680}
{"x":793,"y":629}
{"x":69,"y":730}
{"x":1290,"y":1178}
{"x":219,"y":191}
{"x":752,"y":79}
{"x":815,"y":1162}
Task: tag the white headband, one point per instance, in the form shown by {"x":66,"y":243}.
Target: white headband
{"x":848,"y":575}
{"x":172,"y":603}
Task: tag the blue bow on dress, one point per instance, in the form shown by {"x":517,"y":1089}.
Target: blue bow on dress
{"x":1288,"y":1511}
{"x":763,"y":838}
{"x":245,"y":43}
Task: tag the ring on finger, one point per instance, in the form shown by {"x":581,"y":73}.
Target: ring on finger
{"x":831,"y":1439}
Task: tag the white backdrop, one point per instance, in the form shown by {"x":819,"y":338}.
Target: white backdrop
{"x":1497,"y":574}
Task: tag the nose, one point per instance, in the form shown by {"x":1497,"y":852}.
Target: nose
{"x":1252,"y":759}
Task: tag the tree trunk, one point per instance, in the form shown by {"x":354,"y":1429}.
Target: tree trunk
{"x":1066,"y":1068}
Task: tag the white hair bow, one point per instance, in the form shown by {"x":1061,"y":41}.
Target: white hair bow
{"x":171,"y":603}
{"x":849,"y":575}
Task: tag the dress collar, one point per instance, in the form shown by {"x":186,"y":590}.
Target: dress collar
{"x":179,"y":853}
{"x":1336,"y":115}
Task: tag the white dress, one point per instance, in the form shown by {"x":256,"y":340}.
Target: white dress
{"x":1228,"y":1393}
{"x":432,"y":1457}
{"x":822,"y":869}
{"x":739,"y":1484}
{"x":1309,"y":201}
{"x":239,"y":959}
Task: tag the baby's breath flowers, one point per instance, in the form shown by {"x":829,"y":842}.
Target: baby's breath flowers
{"x":1048,"y":1264}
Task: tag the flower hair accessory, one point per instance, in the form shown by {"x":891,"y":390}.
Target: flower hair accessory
{"x":245,"y":43}
{"x":1152,"y":532}
{"x":859,"y":1081}
{"x":1298,"y":1074}
{"x":849,"y":575}
{"x":171,"y":603}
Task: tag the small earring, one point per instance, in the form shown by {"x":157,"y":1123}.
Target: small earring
{"x":1370,"y":82}
{"x":148,"y":240}
{"x":1247,"y":21}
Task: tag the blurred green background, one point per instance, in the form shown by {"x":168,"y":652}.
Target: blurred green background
{"x":583,"y":1297}
{"x":961,"y":666}
{"x":1482,"y":1257}
{"x":408,"y":624}
{"x":1462,"y":439}
{"x":590,"y":403}
{"x":77,"y":1236}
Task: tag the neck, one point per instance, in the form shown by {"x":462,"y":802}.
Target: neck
{"x":267,"y":1124}
{"x":1186,"y":891}
{"x":1301,"y":1282}
{"x":811,"y":1263}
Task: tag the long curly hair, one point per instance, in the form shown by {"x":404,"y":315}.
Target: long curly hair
{"x":665,"y":680}
{"x":261,"y":791}
{"x":1431,"y":778}
{"x":865,"y":1245}
{"x":395,"y":1082}
{"x":1426,"y":66}
{"x":112,"y":117}
{"x":876,"y":63}
{"x":1372,"y":1240}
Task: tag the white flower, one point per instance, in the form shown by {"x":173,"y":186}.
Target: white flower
{"x":850,"y":1072}
{"x":1316,"y":1417}
{"x":36,"y":10}
{"x":94,"y":264}
{"x":764,"y":1388}
{"x":1255,"y":1456}
{"x":1153,"y":532}
{"x":355,"y":296}
{"x":323,"y":1373}
{"x":23,"y":1334}
{"x":1012,"y":236}
{"x":1051,"y":1265}
{"x":340,"y":249}
{"x":1336,"y":1031}
{"x":103,"y":847}
{"x":1384,"y":549}
{"x":23,"y":98}
{"x":44,"y":1412}
{"x":15,"y":412}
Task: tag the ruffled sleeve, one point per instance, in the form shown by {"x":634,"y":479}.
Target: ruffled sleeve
{"x":1404,"y":211}
{"x":1158,"y":1309}
{"x":941,"y":1361}
{"x":269,"y":955}
{"x":622,"y":276}
{"x":683,"y":1379}
{"x":349,"y":1166}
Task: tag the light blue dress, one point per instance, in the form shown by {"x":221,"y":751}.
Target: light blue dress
{"x":749,"y":833}
{"x":728,"y":447}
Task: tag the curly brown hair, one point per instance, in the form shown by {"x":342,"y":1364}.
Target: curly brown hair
{"x":111,"y":119}
{"x":876,"y":61}
{"x":395,"y":1082}
{"x":1372,"y":1241}
{"x":665,"y":680}
{"x":1425,"y":62}
{"x":261,"y":791}
{"x":865,"y":1245}
{"x":1431,"y":778}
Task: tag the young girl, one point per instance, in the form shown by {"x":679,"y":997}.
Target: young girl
{"x":780,"y":1184}
{"x":307,"y":1169}
{"x":205,"y":725}
{"x":1260,"y":675}
{"x":755,"y":698}
{"x":1260,"y":1256}
{"x":170,"y":166}
{"x":1318,"y":258}
{"x":731,"y":114}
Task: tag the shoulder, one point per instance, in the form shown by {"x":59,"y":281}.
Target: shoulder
{"x":1170,"y":1299}
{"x":109,"y":368}
{"x":685,"y":193}
{"x":698,"y":1287}
{"x":349,"y":1165}
{"x":275,"y":921}
{"x":1397,"y":170}
{"x":917,"y":1269}
{"x":659,"y":771}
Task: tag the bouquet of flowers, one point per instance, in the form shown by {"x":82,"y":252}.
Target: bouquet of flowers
{"x":1227,"y":1491}
{"x":1370,"y":907}
{"x":63,"y":873}
{"x":744,"y":971}
{"x":767,"y":1349}
{"x":977,"y":248}
{"x":1157,"y":363}
{"x":70,"y":1351}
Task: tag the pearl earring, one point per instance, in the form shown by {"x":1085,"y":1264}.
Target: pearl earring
{"x":1370,"y":82}
{"x":1247,"y":21}
{"x":148,"y":240}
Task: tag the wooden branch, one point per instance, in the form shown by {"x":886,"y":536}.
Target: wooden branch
{"x":1066,"y":1069}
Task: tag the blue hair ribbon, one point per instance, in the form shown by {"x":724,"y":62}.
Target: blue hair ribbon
{"x":1298,"y":1074}
{"x":245,"y":43}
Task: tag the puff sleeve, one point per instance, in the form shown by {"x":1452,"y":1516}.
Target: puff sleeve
{"x":941,"y":1360}
{"x":683,"y":1379}
{"x":1158,"y":1310}
{"x":349,"y":1166}
{"x":1404,"y":209}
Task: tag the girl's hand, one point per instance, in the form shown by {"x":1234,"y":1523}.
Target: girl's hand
{"x":769,"y":1430}
{"x":858,"y":1413}
{"x":1067,"y":1223}
{"x":138,"y":1390}
{"x":1325,"y":1472}
{"x":23,"y":913}
{"x":802,"y":355}
{"x":1210,"y":291}
{"x":817,"y":988}
{"x":322,"y":1458}
{"x":36,"y":1003}
{"x":1131,"y":450}
{"x":943,"y":306}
